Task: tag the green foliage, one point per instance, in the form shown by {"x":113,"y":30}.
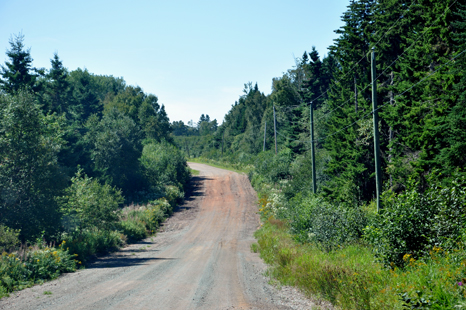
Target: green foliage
{"x":272,"y":168}
{"x":164,"y":165}
{"x":56,"y":129}
{"x":87,"y":243}
{"x":311,"y":219}
{"x":30,"y":176}
{"x":413,"y":222}
{"x":89,"y":204}
{"x":137,"y":223}
{"x":8,"y":238}
{"x":16,"y":74}
{"x":351,"y":278}
{"x":115,"y":148}
{"x":24,"y":269}
{"x":133,"y":229}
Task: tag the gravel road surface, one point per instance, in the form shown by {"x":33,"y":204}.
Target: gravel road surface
{"x":200,"y":259}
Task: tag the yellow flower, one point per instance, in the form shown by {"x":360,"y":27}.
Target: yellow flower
{"x":406,"y":257}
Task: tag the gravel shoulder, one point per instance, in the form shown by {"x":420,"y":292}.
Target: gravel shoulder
{"x":201,"y":259}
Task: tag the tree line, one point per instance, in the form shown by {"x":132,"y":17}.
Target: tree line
{"x":57,"y":125}
{"x":419,"y":49}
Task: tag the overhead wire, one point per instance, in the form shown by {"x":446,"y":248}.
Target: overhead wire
{"x":371,"y":46}
{"x":402,"y":93}
{"x":389,"y":66}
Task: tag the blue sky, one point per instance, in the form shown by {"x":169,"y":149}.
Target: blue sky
{"x":194,"y":55}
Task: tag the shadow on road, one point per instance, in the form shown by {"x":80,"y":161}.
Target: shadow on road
{"x":124,"y":261}
{"x":195,"y":188}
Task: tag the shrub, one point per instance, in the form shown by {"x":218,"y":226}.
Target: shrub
{"x":329,"y":226}
{"x":20,"y":270}
{"x":89,"y":204}
{"x":164,"y":165}
{"x":89,"y":242}
{"x":414,"y":222}
{"x":272,"y":168}
{"x":133,"y":228}
{"x":8,"y":238}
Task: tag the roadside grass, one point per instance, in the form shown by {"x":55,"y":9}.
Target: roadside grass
{"x":29,"y":265}
{"x":239,"y":168}
{"x":194,"y":172}
{"x":351,"y":277}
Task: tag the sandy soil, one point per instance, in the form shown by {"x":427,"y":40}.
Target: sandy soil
{"x":201,"y":259}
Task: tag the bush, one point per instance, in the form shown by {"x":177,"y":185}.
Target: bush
{"x":271,"y":168}
{"x":329,"y":226}
{"x":89,"y":204}
{"x":133,"y":228}
{"x":87,"y":243}
{"x":8,"y":238}
{"x":18,"y":271}
{"x":414,"y":222}
{"x":164,"y":165}
{"x":311,"y":219}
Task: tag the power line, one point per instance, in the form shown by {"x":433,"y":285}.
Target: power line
{"x":370,"y":46}
{"x":402,"y":93}
{"x":288,"y":138}
{"x":417,"y":39}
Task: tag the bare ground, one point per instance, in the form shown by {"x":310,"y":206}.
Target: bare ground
{"x":201,"y":259}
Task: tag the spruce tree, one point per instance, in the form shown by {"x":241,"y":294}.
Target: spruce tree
{"x":17,"y":73}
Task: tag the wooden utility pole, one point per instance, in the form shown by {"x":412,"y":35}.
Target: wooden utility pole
{"x":275,"y":129}
{"x":187,"y":147}
{"x":391,"y":135}
{"x":378,"y":173}
{"x":223,"y":138}
{"x":355,"y":95}
{"x":265,"y":129}
{"x":313,"y":158}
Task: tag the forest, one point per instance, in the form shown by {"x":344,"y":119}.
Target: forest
{"x":335,"y":243}
{"x":87,"y":164}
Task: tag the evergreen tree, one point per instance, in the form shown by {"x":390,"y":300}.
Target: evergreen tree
{"x":57,"y":89}
{"x":17,"y":73}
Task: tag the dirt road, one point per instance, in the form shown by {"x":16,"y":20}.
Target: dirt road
{"x":201,"y":260}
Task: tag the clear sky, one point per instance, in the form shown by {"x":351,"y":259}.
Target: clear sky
{"x":194,"y":55}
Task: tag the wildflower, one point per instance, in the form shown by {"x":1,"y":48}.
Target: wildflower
{"x":460,"y":283}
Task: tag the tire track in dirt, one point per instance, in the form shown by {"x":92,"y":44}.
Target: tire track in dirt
{"x":202,"y":260}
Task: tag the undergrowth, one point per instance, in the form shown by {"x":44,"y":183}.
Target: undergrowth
{"x":351,"y":277}
{"x":25,"y":266}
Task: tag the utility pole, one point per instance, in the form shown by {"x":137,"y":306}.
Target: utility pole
{"x":265,"y":129}
{"x":391,"y":135}
{"x":275,"y":129}
{"x":187,"y":147}
{"x":313,"y":158}
{"x":378,"y":174}
{"x":223,"y":138}
{"x":355,"y":95}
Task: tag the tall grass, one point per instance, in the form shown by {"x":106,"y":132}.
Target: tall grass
{"x":351,"y":277}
